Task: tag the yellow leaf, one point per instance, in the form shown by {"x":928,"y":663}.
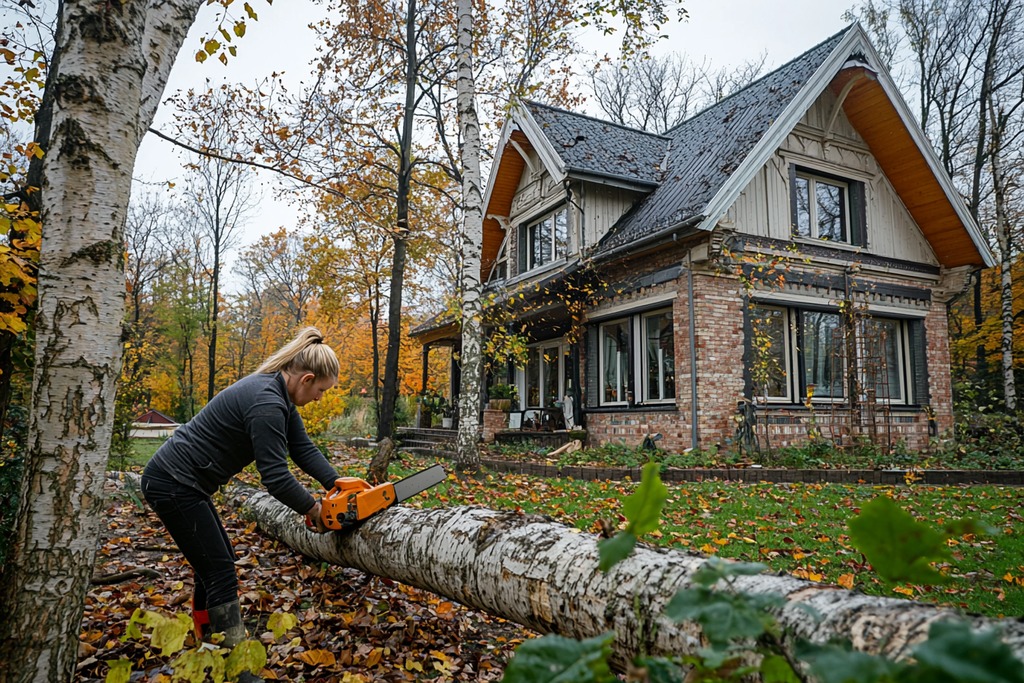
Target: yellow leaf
{"x":413,"y":665}
{"x":239,"y":28}
{"x":250,"y":11}
{"x":374,"y":657}
{"x":815,"y":576}
{"x":200,"y":56}
{"x":1008,"y":577}
{"x":211,"y":46}
{"x":317,"y":657}
{"x":846,"y":581}
{"x":904,"y":590}
{"x":223,"y":58}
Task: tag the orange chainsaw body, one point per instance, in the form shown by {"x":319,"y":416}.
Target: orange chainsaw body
{"x":353,"y":500}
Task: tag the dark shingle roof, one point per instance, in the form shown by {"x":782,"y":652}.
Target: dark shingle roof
{"x":589,"y":145}
{"x":707,"y":148}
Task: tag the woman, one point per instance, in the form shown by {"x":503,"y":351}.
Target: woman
{"x":255,"y":419}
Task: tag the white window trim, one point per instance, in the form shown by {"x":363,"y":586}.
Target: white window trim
{"x":640,"y":370}
{"x":795,"y":387}
{"x":623,"y":383}
{"x":789,"y":357}
{"x":558,"y":342}
{"x":812,"y":177}
{"x":537,"y":220}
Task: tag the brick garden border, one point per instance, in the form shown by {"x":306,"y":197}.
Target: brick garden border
{"x":757,"y":475}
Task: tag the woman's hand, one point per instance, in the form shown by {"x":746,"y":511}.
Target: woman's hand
{"x":314,"y":520}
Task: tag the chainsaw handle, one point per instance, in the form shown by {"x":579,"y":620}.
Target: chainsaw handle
{"x":343,"y":486}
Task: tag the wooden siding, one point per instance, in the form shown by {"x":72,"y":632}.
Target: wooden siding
{"x":603,"y":206}
{"x":763,"y":207}
{"x":505,"y":183}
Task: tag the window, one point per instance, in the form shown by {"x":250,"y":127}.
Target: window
{"x":615,"y":362}
{"x":659,"y":357}
{"x":499,"y":269}
{"x":547,"y":239}
{"x":827,"y":207}
{"x":797,"y":352}
{"x":633,"y":360}
{"x":547,"y":376}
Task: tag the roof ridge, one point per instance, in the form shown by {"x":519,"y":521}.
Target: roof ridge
{"x":756,"y":82}
{"x":631,"y":129}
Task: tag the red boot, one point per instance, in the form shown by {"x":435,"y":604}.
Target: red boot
{"x":200,"y":618}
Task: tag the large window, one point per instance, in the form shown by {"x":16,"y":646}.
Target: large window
{"x":659,"y":360}
{"x":615,"y":350}
{"x":636,"y":360}
{"x":547,"y":375}
{"x":827,"y":207}
{"x":547,"y":239}
{"x":799,"y":353}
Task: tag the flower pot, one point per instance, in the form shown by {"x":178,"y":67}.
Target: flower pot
{"x":500,"y":404}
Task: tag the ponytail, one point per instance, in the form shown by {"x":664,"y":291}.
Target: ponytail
{"x":305,"y":353}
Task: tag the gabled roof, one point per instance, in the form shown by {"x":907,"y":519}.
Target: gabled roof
{"x":696,"y":172}
{"x":709,"y":147}
{"x":585,"y":146}
{"x":717,"y":153}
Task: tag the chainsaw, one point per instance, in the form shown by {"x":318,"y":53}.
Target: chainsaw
{"x":353,"y":500}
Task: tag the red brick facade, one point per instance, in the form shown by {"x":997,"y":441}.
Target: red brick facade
{"x":719,"y":344}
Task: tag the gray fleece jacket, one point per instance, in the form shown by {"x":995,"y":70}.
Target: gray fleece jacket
{"x":253,"y":419}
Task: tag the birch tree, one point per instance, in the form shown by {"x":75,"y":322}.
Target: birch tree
{"x":467,"y":451}
{"x":113,"y":66}
{"x":546,"y":576}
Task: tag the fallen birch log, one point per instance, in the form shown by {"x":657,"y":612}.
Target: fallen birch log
{"x":544,"y":575}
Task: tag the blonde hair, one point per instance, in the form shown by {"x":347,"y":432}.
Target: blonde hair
{"x":305,"y":353}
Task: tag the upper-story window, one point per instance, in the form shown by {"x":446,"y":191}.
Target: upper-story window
{"x":827,"y":207}
{"x":499,"y":269}
{"x":547,"y":239}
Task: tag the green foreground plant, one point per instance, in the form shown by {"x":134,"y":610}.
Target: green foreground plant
{"x":743,"y":635}
{"x":204,"y":662}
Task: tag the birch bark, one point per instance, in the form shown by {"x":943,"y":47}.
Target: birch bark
{"x":471,"y":356}
{"x":114,"y":62}
{"x":545,"y":576}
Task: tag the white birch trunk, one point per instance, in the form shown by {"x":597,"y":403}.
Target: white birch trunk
{"x":1006,"y":253}
{"x":545,"y":576}
{"x":471,"y":355}
{"x":114,"y":62}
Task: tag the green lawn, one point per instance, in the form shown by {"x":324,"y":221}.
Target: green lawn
{"x":796,"y":528}
{"x":142,"y":451}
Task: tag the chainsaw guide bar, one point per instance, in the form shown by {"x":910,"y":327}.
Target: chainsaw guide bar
{"x":353,"y":500}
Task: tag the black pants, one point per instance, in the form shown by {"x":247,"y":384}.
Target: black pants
{"x":193,"y":523}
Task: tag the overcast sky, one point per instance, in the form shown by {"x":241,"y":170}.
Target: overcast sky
{"x":726,"y":32}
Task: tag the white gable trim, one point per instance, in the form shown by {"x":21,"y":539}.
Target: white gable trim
{"x":855,"y":40}
{"x":548,"y":156}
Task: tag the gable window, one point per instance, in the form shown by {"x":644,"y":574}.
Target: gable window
{"x":499,"y":269}
{"x":633,"y":360}
{"x":547,"y":239}
{"x":827,"y":207}
{"x":801,"y":352}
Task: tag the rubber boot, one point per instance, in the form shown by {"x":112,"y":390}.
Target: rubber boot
{"x":200,"y":619}
{"x":227,"y":619}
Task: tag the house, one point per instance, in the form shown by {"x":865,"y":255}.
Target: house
{"x":776,"y":267}
{"x":153,"y":424}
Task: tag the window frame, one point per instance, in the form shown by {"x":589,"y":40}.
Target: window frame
{"x":645,"y":389}
{"x":624,"y":383}
{"x":813,"y":220}
{"x":795,"y":368}
{"x":561,"y":369}
{"x":527,"y":240}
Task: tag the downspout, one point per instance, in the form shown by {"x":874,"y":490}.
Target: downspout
{"x":694,"y":439}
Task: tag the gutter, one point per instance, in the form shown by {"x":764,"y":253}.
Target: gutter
{"x":694,"y":437}
{"x":654,"y":237}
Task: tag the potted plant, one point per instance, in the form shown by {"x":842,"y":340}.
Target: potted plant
{"x":447,"y":413}
{"x":501,"y":396}
{"x":430,"y":404}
